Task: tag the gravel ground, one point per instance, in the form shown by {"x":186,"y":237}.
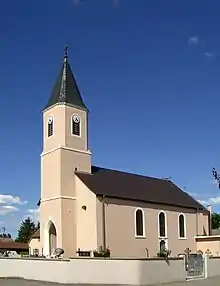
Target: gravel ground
{"x":21,"y":282}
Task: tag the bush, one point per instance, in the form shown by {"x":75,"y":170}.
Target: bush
{"x":24,"y":253}
{"x":100,"y":252}
{"x":165,"y":253}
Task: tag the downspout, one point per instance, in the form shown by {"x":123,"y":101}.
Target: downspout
{"x":103,"y":223}
{"x":87,"y":128}
{"x":210,"y":219}
{"x":197,"y":220}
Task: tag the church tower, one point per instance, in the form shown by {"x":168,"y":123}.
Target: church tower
{"x":65,"y":150}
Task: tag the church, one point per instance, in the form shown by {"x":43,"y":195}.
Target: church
{"x":84,"y":207}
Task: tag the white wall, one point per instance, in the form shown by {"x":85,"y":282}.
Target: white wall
{"x":34,"y":244}
{"x":213,"y":266}
{"x":95,"y":271}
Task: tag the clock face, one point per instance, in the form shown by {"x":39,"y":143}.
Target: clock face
{"x":50,"y":120}
{"x":76,"y":118}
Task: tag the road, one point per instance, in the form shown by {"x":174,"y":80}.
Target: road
{"x":21,"y":282}
{"x":202,"y":282}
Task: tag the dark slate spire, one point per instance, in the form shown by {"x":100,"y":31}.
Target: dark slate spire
{"x":65,"y":90}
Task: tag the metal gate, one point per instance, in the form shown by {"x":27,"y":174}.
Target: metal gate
{"x":194,"y":266}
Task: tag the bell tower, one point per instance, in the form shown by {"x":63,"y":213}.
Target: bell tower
{"x":65,"y":150}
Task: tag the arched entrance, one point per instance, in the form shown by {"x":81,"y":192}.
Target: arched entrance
{"x":52,"y":237}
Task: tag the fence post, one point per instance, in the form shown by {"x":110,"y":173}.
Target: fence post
{"x":206,"y":258}
{"x":185,"y":265}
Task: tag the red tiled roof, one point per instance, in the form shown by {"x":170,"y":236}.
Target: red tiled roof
{"x":13,"y":245}
{"x":36,"y":234}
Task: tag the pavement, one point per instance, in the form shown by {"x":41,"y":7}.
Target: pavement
{"x":199,"y":282}
{"x":20,"y":282}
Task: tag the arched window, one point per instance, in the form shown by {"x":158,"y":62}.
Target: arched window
{"x":139,"y":222}
{"x":182,"y":233}
{"x":76,"y":125}
{"x":162,"y":224}
{"x":50,"y":126}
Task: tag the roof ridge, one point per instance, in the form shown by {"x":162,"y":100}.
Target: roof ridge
{"x":134,"y":174}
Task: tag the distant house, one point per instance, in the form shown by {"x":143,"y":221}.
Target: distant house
{"x":8,"y":244}
{"x":209,"y":244}
{"x":84,"y":207}
{"x":216,"y":231}
{"x":34,"y":244}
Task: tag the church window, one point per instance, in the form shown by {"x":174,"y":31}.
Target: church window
{"x":76,"y":125}
{"x":182,"y":230}
{"x":162,"y":224}
{"x":139,"y":223}
{"x":50,"y":126}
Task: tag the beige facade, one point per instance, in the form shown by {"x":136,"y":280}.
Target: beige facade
{"x":209,"y":244}
{"x":73,"y":217}
{"x":121,"y":230}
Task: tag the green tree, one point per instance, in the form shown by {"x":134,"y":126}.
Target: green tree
{"x":216,"y":176}
{"x":215,"y":221}
{"x":37,"y":225}
{"x":27,"y":229}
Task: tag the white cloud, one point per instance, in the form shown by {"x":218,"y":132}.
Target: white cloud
{"x":11,"y":200}
{"x":33,"y":214}
{"x":204,"y":203}
{"x":194,"y":40}
{"x":33,"y":211}
{"x":210,"y":55}
{"x":212,"y":182}
{"x":77,"y":2}
{"x":214,"y":201}
{"x":4,"y":210}
{"x":210,"y":201}
{"x":115,"y":3}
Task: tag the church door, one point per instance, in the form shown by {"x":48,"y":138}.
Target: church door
{"x":52,"y":238}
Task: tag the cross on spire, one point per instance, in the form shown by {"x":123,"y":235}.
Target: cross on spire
{"x":65,"y":90}
{"x":66,"y":52}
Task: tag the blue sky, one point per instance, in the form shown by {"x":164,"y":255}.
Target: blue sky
{"x":149,"y":71}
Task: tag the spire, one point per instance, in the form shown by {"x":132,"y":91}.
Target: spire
{"x":65,"y":90}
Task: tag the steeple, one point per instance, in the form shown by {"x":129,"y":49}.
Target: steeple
{"x":65,"y":90}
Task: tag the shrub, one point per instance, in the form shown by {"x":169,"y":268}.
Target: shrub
{"x":165,"y":253}
{"x":100,"y":252}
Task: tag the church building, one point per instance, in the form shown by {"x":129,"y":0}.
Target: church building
{"x":84,"y":206}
